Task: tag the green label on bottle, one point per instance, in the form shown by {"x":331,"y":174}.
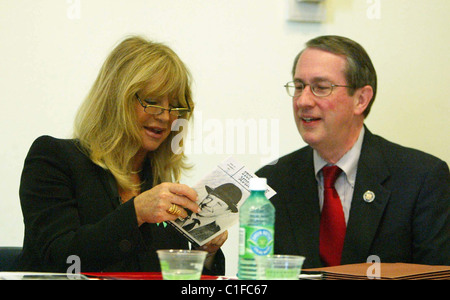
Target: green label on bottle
{"x":255,"y":240}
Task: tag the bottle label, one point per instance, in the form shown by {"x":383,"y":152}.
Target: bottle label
{"x":255,"y":240}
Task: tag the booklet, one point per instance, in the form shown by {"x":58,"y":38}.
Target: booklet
{"x":220,"y":194}
{"x":386,"y":271}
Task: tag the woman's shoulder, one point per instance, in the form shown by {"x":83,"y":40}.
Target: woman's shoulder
{"x":52,"y":143}
{"x":51,"y":146}
{"x":66,"y":155}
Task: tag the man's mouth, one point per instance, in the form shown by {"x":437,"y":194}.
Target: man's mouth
{"x":309,"y":120}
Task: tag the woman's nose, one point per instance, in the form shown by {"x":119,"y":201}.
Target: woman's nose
{"x":164,"y":116}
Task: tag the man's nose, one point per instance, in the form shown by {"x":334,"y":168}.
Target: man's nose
{"x":306,"y":98}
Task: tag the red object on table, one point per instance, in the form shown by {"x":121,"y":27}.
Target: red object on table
{"x":134,"y":276}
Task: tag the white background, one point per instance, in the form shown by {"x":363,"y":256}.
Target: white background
{"x":240,"y":53}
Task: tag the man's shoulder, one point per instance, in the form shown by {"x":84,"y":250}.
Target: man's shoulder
{"x":398,"y":154}
{"x":287,"y":162}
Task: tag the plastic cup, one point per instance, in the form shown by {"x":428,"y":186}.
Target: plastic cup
{"x":181,"y":264}
{"x":279,"y":267}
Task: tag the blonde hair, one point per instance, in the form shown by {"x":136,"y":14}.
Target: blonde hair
{"x":106,"y":123}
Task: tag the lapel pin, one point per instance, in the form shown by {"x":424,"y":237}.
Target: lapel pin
{"x":369,"y":196}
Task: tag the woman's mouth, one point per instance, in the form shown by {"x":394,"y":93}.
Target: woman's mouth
{"x":154,"y":132}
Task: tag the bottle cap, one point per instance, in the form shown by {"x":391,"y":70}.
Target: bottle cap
{"x":258,"y":184}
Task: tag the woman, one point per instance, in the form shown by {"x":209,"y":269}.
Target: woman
{"x":105,"y":195}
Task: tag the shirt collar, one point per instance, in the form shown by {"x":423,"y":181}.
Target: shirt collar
{"x":348,"y":163}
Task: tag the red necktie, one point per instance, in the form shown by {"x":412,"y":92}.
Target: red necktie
{"x":332,"y":220}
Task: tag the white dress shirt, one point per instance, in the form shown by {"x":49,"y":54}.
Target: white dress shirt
{"x":345,"y":183}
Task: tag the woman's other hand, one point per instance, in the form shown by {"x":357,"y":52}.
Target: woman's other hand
{"x":153,"y":206}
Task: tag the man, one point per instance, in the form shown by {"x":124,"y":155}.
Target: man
{"x":216,"y":208}
{"x":387,"y":200}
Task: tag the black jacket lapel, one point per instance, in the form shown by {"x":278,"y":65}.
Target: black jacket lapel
{"x":109,"y":185}
{"x":303,"y":205}
{"x":365,"y":215}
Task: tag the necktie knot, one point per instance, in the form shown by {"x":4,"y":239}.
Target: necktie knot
{"x":330,"y":174}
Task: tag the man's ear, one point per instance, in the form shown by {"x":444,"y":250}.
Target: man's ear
{"x":363,"y":96}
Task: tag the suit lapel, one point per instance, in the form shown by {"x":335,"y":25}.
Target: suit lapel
{"x":365,"y":216}
{"x":303,"y":205}
{"x":109,"y":185}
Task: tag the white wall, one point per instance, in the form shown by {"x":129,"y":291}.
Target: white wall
{"x":240,"y":53}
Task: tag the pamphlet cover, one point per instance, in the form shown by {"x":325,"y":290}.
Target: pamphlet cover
{"x":220,"y":194}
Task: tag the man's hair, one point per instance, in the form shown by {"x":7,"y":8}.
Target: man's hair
{"x":359,"y":71}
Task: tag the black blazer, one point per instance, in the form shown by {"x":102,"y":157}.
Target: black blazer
{"x":72,"y":207}
{"x":408,"y":221}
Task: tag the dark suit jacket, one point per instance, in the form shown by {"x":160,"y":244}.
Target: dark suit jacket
{"x":407,"y":222}
{"x":72,"y":207}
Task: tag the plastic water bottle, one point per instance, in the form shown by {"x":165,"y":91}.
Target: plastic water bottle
{"x":256,"y":229}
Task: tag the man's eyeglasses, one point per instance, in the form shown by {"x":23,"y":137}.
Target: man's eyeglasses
{"x":320,"y":89}
{"x":157,"y":110}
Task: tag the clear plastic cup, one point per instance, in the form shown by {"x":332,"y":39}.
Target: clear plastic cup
{"x":279,"y":267}
{"x":181,"y":264}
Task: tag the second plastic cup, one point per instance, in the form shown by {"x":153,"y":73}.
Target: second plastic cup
{"x":279,"y":267}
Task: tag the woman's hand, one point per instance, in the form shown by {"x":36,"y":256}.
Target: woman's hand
{"x":153,"y":206}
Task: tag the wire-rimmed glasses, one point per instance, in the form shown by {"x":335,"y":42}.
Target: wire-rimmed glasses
{"x":157,"y":110}
{"x":320,"y":89}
